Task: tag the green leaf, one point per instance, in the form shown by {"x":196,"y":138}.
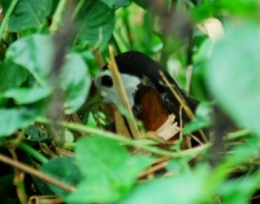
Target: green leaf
{"x":11,"y":75}
{"x":233,"y":75}
{"x":35,"y":53}
{"x":27,"y":95}
{"x":76,"y":81}
{"x":96,"y":24}
{"x":63,"y":169}
{"x":105,"y":165}
{"x":92,"y":161}
{"x":29,"y":13}
{"x":13,"y":119}
{"x":42,"y":186}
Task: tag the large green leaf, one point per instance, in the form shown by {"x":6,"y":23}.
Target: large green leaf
{"x":76,"y":81}
{"x":233,"y":75}
{"x":105,"y":165}
{"x":11,"y":75}
{"x":28,"y":13}
{"x":13,"y":119}
{"x":96,"y":21}
{"x":35,"y":53}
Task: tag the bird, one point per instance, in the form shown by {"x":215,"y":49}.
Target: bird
{"x":146,"y":90}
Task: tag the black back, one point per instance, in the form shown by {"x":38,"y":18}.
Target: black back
{"x":138,"y":64}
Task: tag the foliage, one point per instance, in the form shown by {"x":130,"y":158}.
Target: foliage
{"x":45,"y":89}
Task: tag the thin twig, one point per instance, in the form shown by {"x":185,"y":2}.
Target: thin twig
{"x":158,"y":164}
{"x":122,"y":95}
{"x":153,"y":169}
{"x":36,"y":173}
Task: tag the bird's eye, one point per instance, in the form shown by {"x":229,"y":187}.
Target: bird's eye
{"x":107,"y":81}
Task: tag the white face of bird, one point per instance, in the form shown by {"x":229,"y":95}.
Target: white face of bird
{"x":104,"y":84}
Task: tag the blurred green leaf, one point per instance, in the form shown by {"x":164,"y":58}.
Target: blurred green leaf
{"x":238,"y":190}
{"x":13,"y":119}
{"x":27,"y":95}
{"x":11,"y":75}
{"x":35,"y":53}
{"x":42,"y":186}
{"x":28,"y":14}
{"x":233,"y":75}
{"x":76,"y":81}
{"x":96,"y":21}
{"x":106,"y":169}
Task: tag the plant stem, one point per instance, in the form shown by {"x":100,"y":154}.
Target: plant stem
{"x":57,"y":16}
{"x":6,"y":17}
{"x":139,"y":144}
{"x":33,"y":152}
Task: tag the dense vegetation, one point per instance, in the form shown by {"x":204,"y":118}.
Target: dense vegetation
{"x":53,"y":143}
